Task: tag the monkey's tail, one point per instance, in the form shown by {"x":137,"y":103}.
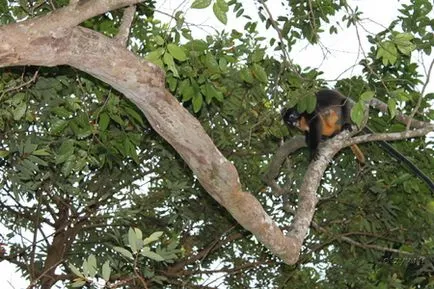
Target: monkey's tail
{"x":388,"y":148}
{"x":358,"y":153}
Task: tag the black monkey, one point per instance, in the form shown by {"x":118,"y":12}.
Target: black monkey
{"x":331,"y":116}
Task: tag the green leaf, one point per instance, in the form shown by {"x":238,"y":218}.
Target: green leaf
{"x":29,"y":147}
{"x":200,"y":4}
{"x":61,"y":111}
{"x":403,"y":43}
{"x":3,"y":154}
{"x":172,"y":82}
{"x":197,"y":102}
{"x":134,"y":114}
{"x":388,"y":52}
{"x":357,"y":113}
{"x":367,"y":95}
{"x":391,"y":105}
{"x":188,"y":93}
{"x":132,"y":239}
{"x":78,"y":283}
{"x":92,"y":266}
{"x":68,"y":165}
{"x":196,"y":45}
{"x":223,"y":5}
{"x":41,"y":152}
{"x":117,"y":118}
{"x":246,"y":75}
{"x":168,"y":60}
{"x":17,"y":99}
{"x":151,"y":255}
{"x":37,"y":160}
{"x":19,"y":111}
{"x":124,"y":252}
{"x":159,"y":40}
{"x":259,"y":73}
{"x":139,"y":233}
{"x":104,"y":121}
{"x":75,"y":270}
{"x":310,"y":103}
{"x":177,"y":52}
{"x":155,"y":55}
{"x":219,"y":13}
{"x":211,"y":92}
{"x":106,"y":270}
{"x":153,"y":237}
{"x":57,"y":126}
{"x":257,"y":55}
{"x":211,"y":62}
{"x":223,"y":64}
{"x":430,"y":207}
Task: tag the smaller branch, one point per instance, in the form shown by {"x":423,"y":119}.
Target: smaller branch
{"x":278,"y":159}
{"x":375,"y":247}
{"x":124,"y":29}
{"x":137,"y":273}
{"x":21,"y":85}
{"x":358,"y":244}
{"x":402,"y":118}
{"x":313,"y":22}
{"x":282,"y":43}
{"x":389,"y":136}
{"x":419,"y":101}
{"x":44,"y":273}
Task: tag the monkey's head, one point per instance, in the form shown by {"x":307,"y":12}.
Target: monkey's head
{"x":291,"y":116}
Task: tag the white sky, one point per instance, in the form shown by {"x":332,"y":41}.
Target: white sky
{"x":344,"y":47}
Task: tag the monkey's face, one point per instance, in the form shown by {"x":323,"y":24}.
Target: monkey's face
{"x":291,"y":116}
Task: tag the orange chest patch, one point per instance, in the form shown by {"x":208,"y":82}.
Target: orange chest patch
{"x":330,"y":123}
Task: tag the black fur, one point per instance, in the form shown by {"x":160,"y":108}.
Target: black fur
{"x":326,"y":98}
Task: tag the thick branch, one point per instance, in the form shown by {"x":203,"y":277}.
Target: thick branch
{"x":143,"y":83}
{"x":281,"y":154}
{"x":72,"y":15}
{"x":279,"y":158}
{"x":127,"y":20}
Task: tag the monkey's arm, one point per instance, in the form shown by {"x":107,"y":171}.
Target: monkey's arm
{"x":313,"y":137}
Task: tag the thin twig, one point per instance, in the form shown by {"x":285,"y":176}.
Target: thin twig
{"x":282,"y":43}
{"x":358,"y":244}
{"x":21,"y":85}
{"x":419,"y":101}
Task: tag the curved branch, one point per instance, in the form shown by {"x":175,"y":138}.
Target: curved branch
{"x":144,"y":84}
{"x":278,"y":159}
{"x":402,"y":118}
{"x":389,"y":136}
{"x":124,"y":29}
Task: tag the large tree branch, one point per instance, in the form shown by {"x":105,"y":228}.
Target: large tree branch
{"x":143,"y":83}
{"x":72,"y":15}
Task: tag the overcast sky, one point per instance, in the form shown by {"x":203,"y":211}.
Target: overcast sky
{"x":344,"y":49}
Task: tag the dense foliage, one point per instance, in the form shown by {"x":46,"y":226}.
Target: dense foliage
{"x":79,"y":164}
